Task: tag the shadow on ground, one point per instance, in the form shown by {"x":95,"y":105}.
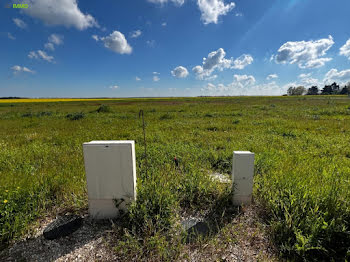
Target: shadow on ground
{"x":220,"y":214}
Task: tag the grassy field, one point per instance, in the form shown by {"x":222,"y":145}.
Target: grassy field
{"x":302,"y":166}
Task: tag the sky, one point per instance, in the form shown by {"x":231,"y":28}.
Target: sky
{"x":154,"y":48}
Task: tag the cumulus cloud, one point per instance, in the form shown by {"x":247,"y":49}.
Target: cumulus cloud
{"x":137,"y":79}
{"x":156,"y":78}
{"x":18,"y":69}
{"x":117,"y":42}
{"x":333,"y":75}
{"x":56,"y":39}
{"x":272,"y":76}
{"x":162,"y":2}
{"x":212,"y":9}
{"x":95,"y":37}
{"x":307,"y":81}
{"x":301,"y":76}
{"x":135,"y":34}
{"x":242,"y":61}
{"x":180,"y":72}
{"x":41,"y":55}
{"x":306,"y":54}
{"x":60,"y":12}
{"x":10,"y":36}
{"x":18,"y":22}
{"x":345,"y":49}
{"x":216,"y":61}
{"x":114,"y":87}
{"x":164,"y":24}
{"x":244,"y":80}
{"x":237,"y":89}
{"x":53,"y":40}
{"x":49,"y":46}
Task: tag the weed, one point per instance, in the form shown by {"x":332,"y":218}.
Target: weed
{"x":75,"y":116}
{"x":104,"y":109}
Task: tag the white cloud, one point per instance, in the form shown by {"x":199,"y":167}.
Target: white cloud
{"x":41,"y":54}
{"x":156,"y":73}
{"x":10,"y":36}
{"x":272,"y":76}
{"x":18,"y":22}
{"x":345,"y":49}
{"x":135,"y":34}
{"x":211,"y":78}
{"x":237,"y":89}
{"x":242,"y":61}
{"x":53,"y":40}
{"x":164,"y":24}
{"x":60,"y":12}
{"x":212,"y":9}
{"x":137,"y":79}
{"x":162,"y":2}
{"x":44,"y":56}
{"x":307,"y":81}
{"x":151,"y":43}
{"x":333,"y":75}
{"x":301,"y":76}
{"x":216,"y":61}
{"x":239,"y":14}
{"x":180,"y":72}
{"x":50,"y":46}
{"x":244,"y":79}
{"x":114,"y":87}
{"x":56,"y":39}
{"x":95,"y":37}
{"x":117,"y":42}
{"x":32,"y":54}
{"x":18,"y":69}
{"x":243,"y":85}
{"x":305,"y":53}
{"x":156,"y":78}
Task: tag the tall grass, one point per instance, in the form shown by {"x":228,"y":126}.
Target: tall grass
{"x":302,"y":168}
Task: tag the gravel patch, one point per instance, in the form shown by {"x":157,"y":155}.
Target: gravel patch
{"x":91,"y":242}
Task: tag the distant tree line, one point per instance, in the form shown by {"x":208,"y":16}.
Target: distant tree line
{"x":333,"y":89}
{"x":11,"y":97}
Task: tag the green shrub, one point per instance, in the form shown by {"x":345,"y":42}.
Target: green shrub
{"x":166,"y":116}
{"x":75,"y":116}
{"x":104,"y":109}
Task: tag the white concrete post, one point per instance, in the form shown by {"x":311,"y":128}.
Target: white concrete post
{"x":242,"y":177}
{"x":110,"y":169}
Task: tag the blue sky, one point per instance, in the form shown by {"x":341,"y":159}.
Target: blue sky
{"x":120,"y":48}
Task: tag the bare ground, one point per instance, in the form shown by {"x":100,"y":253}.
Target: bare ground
{"x":245,"y":238}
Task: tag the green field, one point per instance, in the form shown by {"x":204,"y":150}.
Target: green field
{"x":302,"y":166}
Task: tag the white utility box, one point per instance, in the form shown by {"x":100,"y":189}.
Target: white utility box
{"x":110,"y":168}
{"x":242,"y":177}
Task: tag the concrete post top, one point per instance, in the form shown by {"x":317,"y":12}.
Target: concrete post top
{"x":108,"y":142}
{"x":243,"y":153}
